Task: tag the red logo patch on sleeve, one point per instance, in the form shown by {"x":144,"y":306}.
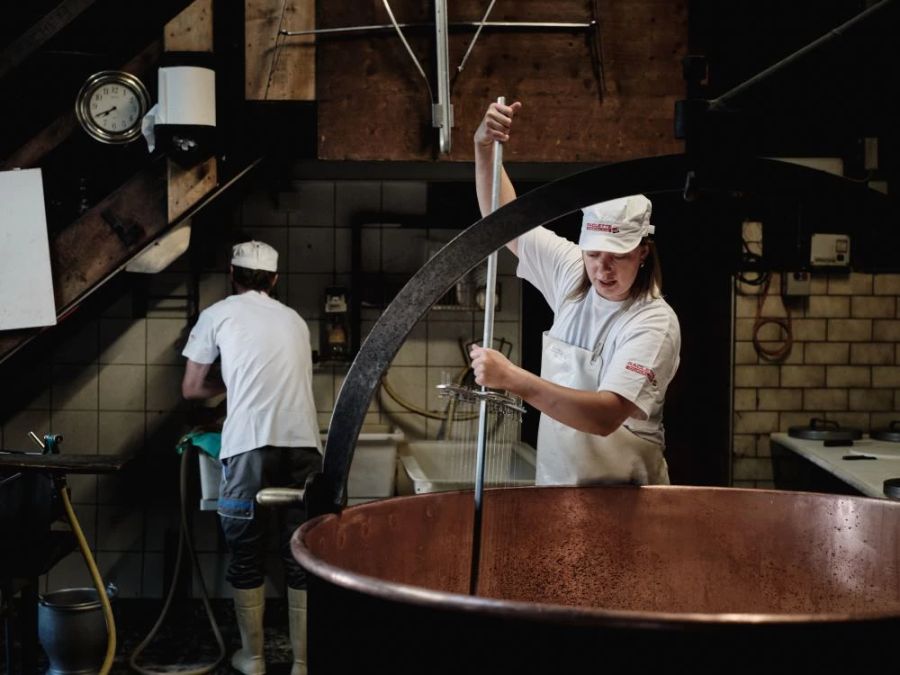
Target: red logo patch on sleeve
{"x":642,"y":370}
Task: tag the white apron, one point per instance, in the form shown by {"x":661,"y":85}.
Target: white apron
{"x":566,"y":456}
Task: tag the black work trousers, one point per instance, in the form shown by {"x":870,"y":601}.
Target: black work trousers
{"x":245,"y":523}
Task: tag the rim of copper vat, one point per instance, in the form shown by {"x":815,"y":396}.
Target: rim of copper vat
{"x":567,"y":614}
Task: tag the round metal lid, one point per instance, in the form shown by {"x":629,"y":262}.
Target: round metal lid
{"x":825,"y":430}
{"x":892,"y":433}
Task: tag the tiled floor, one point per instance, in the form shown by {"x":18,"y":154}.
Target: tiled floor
{"x":185,"y":640}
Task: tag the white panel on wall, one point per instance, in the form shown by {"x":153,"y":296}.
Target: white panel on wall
{"x":26,"y":284}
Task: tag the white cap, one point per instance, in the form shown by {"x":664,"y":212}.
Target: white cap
{"x":616,"y":226}
{"x":255,"y":255}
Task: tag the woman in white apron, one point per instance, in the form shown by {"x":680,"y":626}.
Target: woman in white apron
{"x":614,"y":344}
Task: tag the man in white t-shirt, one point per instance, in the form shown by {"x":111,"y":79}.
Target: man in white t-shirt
{"x":270,"y":437}
{"x":614,"y":344}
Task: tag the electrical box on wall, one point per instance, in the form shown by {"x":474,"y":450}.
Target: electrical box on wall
{"x":794,"y":284}
{"x":829,"y":250}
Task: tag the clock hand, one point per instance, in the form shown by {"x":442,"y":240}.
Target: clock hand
{"x":105,"y":112}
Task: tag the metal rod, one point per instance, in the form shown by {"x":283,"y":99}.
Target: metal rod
{"x":490,"y":286}
{"x":475,"y":39}
{"x":463,"y":25}
{"x":444,"y":117}
{"x":722,"y":101}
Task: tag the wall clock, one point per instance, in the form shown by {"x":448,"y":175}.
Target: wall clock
{"x":111,"y":105}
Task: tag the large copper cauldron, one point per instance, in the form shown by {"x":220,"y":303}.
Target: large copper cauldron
{"x":697,"y":578}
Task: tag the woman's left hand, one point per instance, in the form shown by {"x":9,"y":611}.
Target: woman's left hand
{"x":491,"y":368}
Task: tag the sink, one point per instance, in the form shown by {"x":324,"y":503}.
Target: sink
{"x":438,"y":466}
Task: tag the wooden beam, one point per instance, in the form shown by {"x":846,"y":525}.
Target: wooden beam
{"x":37,"y":36}
{"x":190,"y":31}
{"x":278,"y":67}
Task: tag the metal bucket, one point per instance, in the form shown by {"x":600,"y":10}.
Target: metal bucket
{"x":699,"y":579}
{"x":72,"y":630}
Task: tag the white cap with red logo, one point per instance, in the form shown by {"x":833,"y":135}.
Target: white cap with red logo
{"x":616,"y":226}
{"x":255,"y":255}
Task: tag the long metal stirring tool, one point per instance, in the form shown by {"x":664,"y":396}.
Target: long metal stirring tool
{"x":489,"y":292}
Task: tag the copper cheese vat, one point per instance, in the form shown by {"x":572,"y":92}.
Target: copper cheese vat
{"x":696,"y":578}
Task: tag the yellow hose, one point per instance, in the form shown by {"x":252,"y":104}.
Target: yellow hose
{"x":98,"y":582}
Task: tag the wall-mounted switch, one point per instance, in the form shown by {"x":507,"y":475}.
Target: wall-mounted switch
{"x":829,"y":250}
{"x":795,"y":284}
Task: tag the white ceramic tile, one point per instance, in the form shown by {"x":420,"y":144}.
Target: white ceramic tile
{"x":312,"y":204}
{"x":164,"y":388}
{"x":17,"y":426}
{"x":70,"y":572}
{"x":405,"y":197}
{"x":403,"y":249}
{"x":123,"y":341}
{"x":310,"y":250}
{"x":370,"y":249}
{"x":159,"y":520}
{"x":82,"y":488}
{"x":206,"y":531}
{"x":260,"y":209}
{"x":74,"y":387}
{"x":152,"y":575}
{"x":413,"y":351}
{"x":353,"y":198}
{"x":408,"y":383}
{"x":28,"y":389}
{"x":213,"y":287}
{"x":123,"y":570}
{"x":120,"y":527}
{"x":307,"y":294}
{"x":78,"y":429}
{"x":121,"y":432}
{"x":165,"y":341}
{"x":122,"y":387}
{"x":213,"y":566}
{"x":412,"y":425}
{"x":323,"y":391}
{"x":443,"y":342}
{"x":78,"y":347}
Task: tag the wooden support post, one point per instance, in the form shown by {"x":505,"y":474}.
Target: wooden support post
{"x":190,"y":31}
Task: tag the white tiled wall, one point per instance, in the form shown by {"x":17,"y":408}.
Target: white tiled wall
{"x":114,"y":387}
{"x":843,"y":365}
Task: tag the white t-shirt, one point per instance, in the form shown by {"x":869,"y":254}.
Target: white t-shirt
{"x":642,"y":340}
{"x":267,"y":368}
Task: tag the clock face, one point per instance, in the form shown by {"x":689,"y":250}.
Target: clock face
{"x":111,"y":105}
{"x":115,"y":107}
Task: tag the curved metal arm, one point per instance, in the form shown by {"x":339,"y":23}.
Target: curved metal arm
{"x":326,"y":492}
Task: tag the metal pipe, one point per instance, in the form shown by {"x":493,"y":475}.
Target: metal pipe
{"x":721,"y":102}
{"x":489,"y":292}
{"x":462,"y":25}
{"x":475,"y":39}
{"x":442,"y":114}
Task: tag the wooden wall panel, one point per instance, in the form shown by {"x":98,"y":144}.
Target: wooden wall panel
{"x":373,"y":104}
{"x":279,"y":67}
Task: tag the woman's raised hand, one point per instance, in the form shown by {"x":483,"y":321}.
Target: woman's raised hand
{"x":496,"y":124}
